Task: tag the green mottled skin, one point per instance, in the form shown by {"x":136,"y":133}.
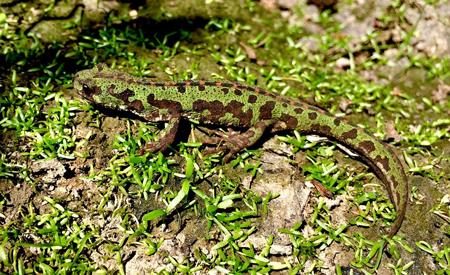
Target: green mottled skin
{"x":236,"y":105}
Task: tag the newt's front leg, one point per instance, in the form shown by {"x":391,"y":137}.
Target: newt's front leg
{"x":165,"y":137}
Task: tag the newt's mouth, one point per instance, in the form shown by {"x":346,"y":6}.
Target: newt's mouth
{"x":81,"y":88}
{"x":84,"y":86}
{"x":77,"y":85}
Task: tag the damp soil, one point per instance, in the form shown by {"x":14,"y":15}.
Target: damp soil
{"x":183,"y":233}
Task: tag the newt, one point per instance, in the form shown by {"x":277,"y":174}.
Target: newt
{"x":252,"y":109}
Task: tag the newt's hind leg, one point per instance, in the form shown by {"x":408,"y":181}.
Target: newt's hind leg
{"x":238,"y":141}
{"x":214,"y":137}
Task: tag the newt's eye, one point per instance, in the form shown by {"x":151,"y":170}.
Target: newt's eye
{"x":88,"y":91}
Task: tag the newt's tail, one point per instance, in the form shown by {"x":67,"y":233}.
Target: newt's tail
{"x":379,"y":156}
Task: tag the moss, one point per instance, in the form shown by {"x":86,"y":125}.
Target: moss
{"x":240,"y":41}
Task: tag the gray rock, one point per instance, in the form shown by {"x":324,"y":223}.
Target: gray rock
{"x":52,"y":170}
{"x":287,"y":4}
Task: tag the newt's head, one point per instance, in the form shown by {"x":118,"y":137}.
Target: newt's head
{"x":86,"y":82}
{"x":98,"y":86}
{"x":108,"y":88}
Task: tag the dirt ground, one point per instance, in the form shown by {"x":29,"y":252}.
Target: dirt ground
{"x":84,"y":192}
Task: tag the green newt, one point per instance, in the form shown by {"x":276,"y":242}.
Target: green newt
{"x":240,"y":106}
